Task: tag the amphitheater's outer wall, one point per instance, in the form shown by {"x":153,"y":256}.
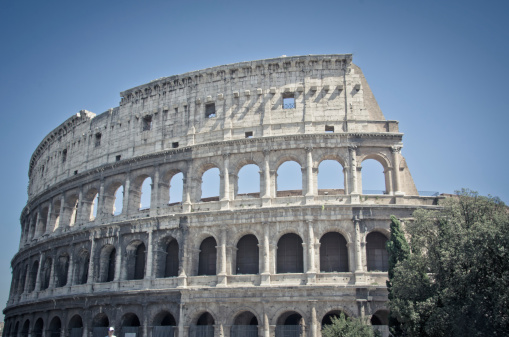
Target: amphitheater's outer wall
{"x":161,"y":129}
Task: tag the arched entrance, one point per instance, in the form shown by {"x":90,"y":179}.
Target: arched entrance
{"x":245,"y":325}
{"x":290,"y":324}
{"x":164,"y":325}
{"x":204,"y":326}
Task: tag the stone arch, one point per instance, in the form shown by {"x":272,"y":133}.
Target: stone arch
{"x":210,"y":186}
{"x":129,"y":320}
{"x":290,"y":322}
{"x":324,"y":181}
{"x":75,"y":326}
{"x":61,"y":270}
{"x":333,"y":253}
{"x":89,"y":203}
{"x":203,"y":325}
{"x":55,"y":217}
{"x":100,"y":320}
{"x":81,"y":266}
{"x":113,"y":197}
{"x":171,"y":188}
{"x":25,"y":329}
{"x":386,"y":165}
{"x":245,"y":324}
{"x":42,"y":227}
{"x":33,"y":276}
{"x":380,"y":317}
{"x":327,"y":318}
{"x":207,"y":259}
{"x":164,"y":318}
{"x":46,"y":273}
{"x":244,"y":186}
{"x":71,"y":208}
{"x":290,"y":255}
{"x":140,"y":190}
{"x":290,"y":172}
{"x":135,"y":262}
{"x":38,"y":327}
{"x":377,"y":257}
{"x":247,"y":259}
{"x":55,"y":327}
{"x":107,"y":263}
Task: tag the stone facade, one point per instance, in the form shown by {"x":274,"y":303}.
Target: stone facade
{"x":270,"y":263}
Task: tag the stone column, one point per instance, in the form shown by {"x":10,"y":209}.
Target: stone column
{"x":148,"y":274}
{"x":309,"y":175}
{"x":266,"y":325}
{"x":61,"y":224}
{"x":127,"y":187}
{"x":51,"y":284}
{"x":311,"y":270}
{"x":91,"y":264}
{"x":118,"y":258}
{"x":396,"y":155}
{"x":346,"y":179}
{"x":154,"y":195}
{"x":225,"y":200}
{"x":313,"y":327}
{"x":359,"y":270}
{"x":38,"y":276}
{"x":187,"y":181}
{"x":221,"y":275}
{"x":81,"y":217}
{"x":38,"y":223}
{"x":265,"y":274}
{"x":266,"y":178}
{"x":70,"y":273}
{"x":101,"y":212}
{"x":354,"y":192}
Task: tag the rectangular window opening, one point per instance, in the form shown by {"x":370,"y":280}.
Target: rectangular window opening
{"x":249,"y":134}
{"x":175,"y":145}
{"x":117,"y":158}
{"x":147,"y":123}
{"x":98,"y":139}
{"x":329,"y":128}
{"x":288,"y":100}
{"x":64,"y":156}
{"x":210,"y":110}
{"x":176,"y":110}
{"x":76,"y":172}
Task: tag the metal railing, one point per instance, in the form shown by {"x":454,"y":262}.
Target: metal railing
{"x":130,"y":331}
{"x":76,"y":332}
{"x":201,"y":331}
{"x":288,"y":331}
{"x":100,"y":332}
{"x":244,"y":331}
{"x":163,"y":331}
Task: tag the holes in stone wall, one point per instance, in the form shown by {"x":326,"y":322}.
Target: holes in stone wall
{"x":176,"y":188}
{"x":373,"y":180}
{"x":146,"y":191}
{"x":210,"y":110}
{"x":249,"y":180}
{"x":333,"y":253}
{"x":247,"y":255}
{"x":289,"y":254}
{"x":207,"y":257}
{"x":376,"y":254}
{"x":118,"y":203}
{"x":288,"y":100}
{"x":210,"y":185}
{"x":331,"y":179}
{"x":146,"y":123}
{"x":98,"y":139}
{"x":289,"y":179}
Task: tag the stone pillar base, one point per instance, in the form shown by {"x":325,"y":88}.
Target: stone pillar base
{"x":181,"y":282}
{"x":311,"y":278}
{"x":265,"y":279}
{"x":310,"y":199}
{"x":225,"y":204}
{"x":221,"y":280}
{"x":266,"y":201}
{"x":186,"y":207}
{"x":360,"y":278}
{"x":355,"y":198}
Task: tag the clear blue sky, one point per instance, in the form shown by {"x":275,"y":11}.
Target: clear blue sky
{"x":439,"y":67}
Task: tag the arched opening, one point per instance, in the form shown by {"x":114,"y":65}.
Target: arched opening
{"x":377,"y":255}
{"x":73,"y":205}
{"x":38,"y":327}
{"x":107,"y":264}
{"x":333,"y":253}
{"x":81,"y":267}
{"x":118,"y":201}
{"x":25,"y":328}
{"x":289,"y":179}
{"x":380,"y":322}
{"x":331,"y":179}
{"x":46,"y":273}
{"x":136,"y":261}
{"x":16,"y":329}
{"x":55,"y":327}
{"x":100,"y":325}
{"x":75,"y":326}
{"x":164,"y":325}
{"x":130,"y":324}
{"x":62,"y":268}
{"x":56,"y":215}
{"x":327,"y":319}
{"x":204,"y":326}
{"x":249,"y":181}
{"x":146,"y":190}
{"x":42,"y":221}
{"x":245,"y":325}
{"x":247,"y":255}
{"x":171,"y":266}
{"x":210,"y":185}
{"x":22,"y":280}
{"x":373,"y":177}
{"x":289,"y":324}
{"x":33,"y":276}
{"x":176,"y":188}
{"x":289,"y":254}
{"x":207,"y":257}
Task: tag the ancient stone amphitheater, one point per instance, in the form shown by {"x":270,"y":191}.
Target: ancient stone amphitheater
{"x":268,"y":262}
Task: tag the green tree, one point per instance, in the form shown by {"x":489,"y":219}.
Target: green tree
{"x":455,"y":281}
{"x":343,"y":326}
{"x":398,"y":250}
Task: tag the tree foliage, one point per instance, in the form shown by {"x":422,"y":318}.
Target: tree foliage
{"x":455,"y":281}
{"x":399,"y":251}
{"x":343,"y":326}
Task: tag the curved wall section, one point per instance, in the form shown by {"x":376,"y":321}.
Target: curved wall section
{"x":120,"y":228}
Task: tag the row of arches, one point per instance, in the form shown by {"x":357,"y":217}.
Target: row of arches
{"x":59,"y":271}
{"x":149,"y":189}
{"x":163,"y":324}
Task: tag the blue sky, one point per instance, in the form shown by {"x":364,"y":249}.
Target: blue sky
{"x":439,"y":68}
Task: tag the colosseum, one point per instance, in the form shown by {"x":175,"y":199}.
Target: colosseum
{"x":118,"y":230}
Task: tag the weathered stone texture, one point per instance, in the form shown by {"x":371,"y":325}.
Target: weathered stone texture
{"x":155,"y":266}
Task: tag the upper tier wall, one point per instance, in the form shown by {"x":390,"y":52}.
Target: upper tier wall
{"x":246,"y":98}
